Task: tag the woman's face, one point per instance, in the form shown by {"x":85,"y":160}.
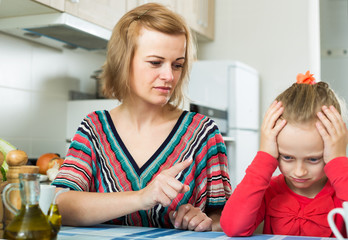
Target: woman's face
{"x":301,"y":158}
{"x":156,"y":66}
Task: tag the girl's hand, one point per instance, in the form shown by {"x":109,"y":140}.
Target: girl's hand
{"x":191,"y":218}
{"x":270,"y":129}
{"x":334,"y":132}
{"x":164,"y":187}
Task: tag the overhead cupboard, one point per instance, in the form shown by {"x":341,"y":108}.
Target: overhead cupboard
{"x":198,"y":13}
{"x":100,"y":12}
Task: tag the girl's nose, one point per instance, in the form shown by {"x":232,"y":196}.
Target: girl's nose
{"x":300,"y":169}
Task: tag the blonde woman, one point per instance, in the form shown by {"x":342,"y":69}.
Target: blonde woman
{"x":146,"y":162}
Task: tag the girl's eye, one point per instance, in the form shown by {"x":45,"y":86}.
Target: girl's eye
{"x":314,"y":160}
{"x":286,"y":158}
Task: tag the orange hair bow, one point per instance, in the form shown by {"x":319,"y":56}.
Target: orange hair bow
{"x":306,"y":78}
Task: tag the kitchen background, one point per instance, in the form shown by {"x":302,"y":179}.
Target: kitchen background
{"x":278,"y":38}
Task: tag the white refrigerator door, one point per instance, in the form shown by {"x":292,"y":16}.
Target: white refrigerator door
{"x":243,"y":97}
{"x":240,"y":154}
{"x":227,"y":85}
{"x":208,"y":84}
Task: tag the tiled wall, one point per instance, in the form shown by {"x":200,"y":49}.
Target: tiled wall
{"x":34,"y":90}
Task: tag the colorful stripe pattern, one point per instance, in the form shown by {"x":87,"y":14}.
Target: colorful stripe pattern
{"x":98,"y":161}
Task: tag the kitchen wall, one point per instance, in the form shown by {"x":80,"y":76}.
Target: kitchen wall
{"x":334,"y":45}
{"x":279,"y":38}
{"x":34,"y":89}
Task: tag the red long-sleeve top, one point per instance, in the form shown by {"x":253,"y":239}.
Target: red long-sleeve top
{"x":261,"y":197}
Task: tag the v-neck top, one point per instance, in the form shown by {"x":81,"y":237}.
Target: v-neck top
{"x":98,"y":161}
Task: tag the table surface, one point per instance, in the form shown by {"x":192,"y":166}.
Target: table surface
{"x":108,"y":232}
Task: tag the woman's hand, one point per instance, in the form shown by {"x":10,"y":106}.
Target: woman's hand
{"x":191,"y":218}
{"x":270,"y":129}
{"x":164,"y":187}
{"x":334,"y":132}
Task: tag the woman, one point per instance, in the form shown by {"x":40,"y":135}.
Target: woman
{"x":146,"y":162}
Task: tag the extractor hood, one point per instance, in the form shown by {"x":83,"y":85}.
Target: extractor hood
{"x":59,"y":30}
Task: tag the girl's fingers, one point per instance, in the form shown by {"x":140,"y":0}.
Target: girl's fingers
{"x":273,"y":114}
{"x":332,"y":120}
{"x":326,"y":123}
{"x":279,"y":125}
{"x":322,"y":130}
{"x":341,"y":126}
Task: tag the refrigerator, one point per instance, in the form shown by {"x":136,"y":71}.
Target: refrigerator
{"x":234,"y":87}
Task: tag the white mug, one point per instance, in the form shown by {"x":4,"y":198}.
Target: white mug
{"x":330,"y":217}
{"x":47,"y":193}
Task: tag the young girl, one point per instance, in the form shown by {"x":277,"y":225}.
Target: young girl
{"x":303,"y":134}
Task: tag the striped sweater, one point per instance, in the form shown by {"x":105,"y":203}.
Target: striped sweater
{"x":98,"y":161}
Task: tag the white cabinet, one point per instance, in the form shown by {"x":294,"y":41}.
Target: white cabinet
{"x":171,"y":4}
{"x":101,"y":12}
{"x":56,"y":4}
{"x":199,"y":14}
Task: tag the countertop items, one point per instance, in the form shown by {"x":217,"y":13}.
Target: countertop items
{"x":106,"y":232}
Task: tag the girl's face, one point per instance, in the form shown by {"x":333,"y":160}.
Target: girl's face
{"x":301,"y":158}
{"x":156,"y":66}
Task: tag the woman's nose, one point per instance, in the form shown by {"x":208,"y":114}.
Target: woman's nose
{"x":167,"y":73}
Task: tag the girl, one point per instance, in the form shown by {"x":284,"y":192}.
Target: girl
{"x":146,"y":162}
{"x":303,"y":134}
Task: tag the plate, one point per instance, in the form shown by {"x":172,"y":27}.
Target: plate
{"x":43,"y":178}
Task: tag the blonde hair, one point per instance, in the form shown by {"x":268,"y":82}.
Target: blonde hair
{"x":302,"y":101}
{"x":123,"y":43}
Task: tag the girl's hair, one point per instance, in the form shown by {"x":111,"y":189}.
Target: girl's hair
{"x":302,"y":101}
{"x":123,"y":44}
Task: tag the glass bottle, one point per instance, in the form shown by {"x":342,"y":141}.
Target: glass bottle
{"x":54,"y":218}
{"x":30,"y":222}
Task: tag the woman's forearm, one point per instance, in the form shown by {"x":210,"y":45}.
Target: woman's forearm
{"x":89,"y":208}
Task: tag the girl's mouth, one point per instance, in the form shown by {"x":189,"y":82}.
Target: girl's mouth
{"x":299,"y":180}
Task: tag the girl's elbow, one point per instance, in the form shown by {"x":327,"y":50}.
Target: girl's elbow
{"x":233,"y":229}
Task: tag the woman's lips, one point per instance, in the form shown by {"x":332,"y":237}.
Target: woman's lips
{"x":163,"y":89}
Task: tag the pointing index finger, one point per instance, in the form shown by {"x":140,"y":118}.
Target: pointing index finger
{"x":178,"y":167}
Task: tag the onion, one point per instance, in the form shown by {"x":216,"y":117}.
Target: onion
{"x":16,"y":158}
{"x":55,"y":160}
{"x":43,"y":161}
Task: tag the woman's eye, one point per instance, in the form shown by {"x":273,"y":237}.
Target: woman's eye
{"x":155,"y":63}
{"x":177,"y":66}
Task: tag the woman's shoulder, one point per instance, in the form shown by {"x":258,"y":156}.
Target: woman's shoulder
{"x":194,"y":116}
{"x":98,"y":117}
{"x":97,"y":113}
